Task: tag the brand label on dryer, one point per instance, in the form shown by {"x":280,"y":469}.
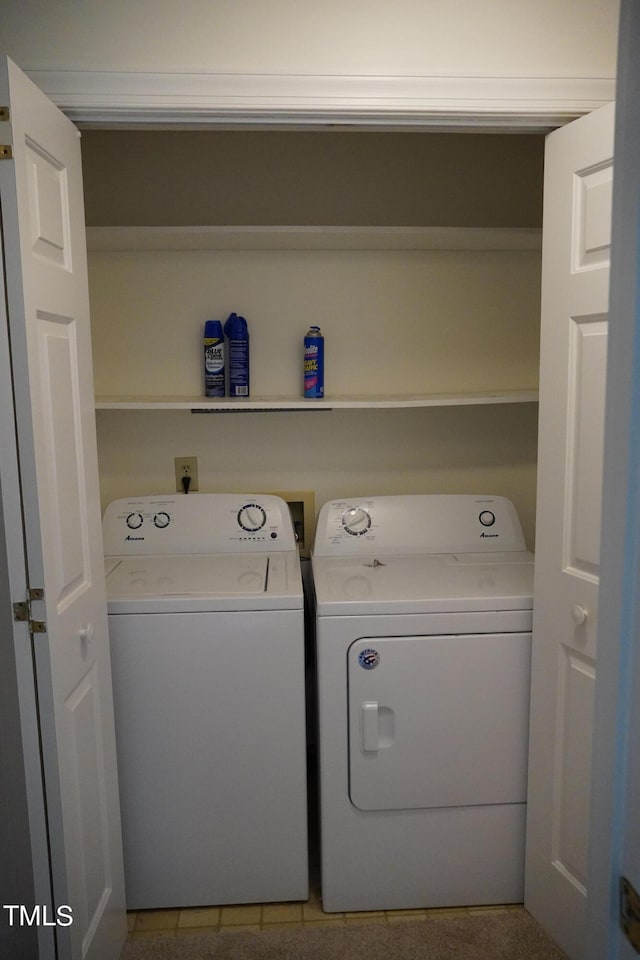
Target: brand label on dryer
{"x":369,"y":659}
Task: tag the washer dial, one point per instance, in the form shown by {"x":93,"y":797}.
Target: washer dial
{"x":162,"y":520}
{"x":135,"y":521}
{"x":252,"y":517}
{"x":356,"y":521}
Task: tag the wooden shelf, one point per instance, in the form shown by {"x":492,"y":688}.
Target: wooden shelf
{"x":281,"y":404}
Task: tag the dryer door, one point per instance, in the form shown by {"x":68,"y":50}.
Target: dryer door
{"x":438,"y":721}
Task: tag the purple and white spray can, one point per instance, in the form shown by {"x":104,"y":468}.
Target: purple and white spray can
{"x":314,"y":364}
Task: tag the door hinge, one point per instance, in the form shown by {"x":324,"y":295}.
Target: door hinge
{"x":6,"y":151}
{"x":22,"y":612}
{"x":630,"y":913}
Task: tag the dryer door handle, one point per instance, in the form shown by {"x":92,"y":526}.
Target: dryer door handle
{"x":369,"y":726}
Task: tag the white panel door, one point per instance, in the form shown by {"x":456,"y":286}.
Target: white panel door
{"x":575,"y":287}
{"x":438,"y":721}
{"x":47,"y":299}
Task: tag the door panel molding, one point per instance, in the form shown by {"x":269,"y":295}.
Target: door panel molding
{"x":592,"y":197}
{"x":585,"y":444}
{"x":573,"y":760}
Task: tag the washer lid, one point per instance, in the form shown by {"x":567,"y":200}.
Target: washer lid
{"x":203,"y":582}
{"x":438,"y":583}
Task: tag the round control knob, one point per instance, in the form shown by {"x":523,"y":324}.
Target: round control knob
{"x":579,"y":614}
{"x":134,"y":521}
{"x":162,"y":520}
{"x":487,"y":518}
{"x":252,"y":517}
{"x":356,"y":521}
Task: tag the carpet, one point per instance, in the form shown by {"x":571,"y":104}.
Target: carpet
{"x":512,"y":935}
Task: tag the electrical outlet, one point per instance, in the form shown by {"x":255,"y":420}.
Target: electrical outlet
{"x":186,"y":467}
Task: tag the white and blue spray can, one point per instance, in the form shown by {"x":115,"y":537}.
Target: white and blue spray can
{"x":237,"y":335}
{"x":214,"y":359}
{"x":314,"y":364}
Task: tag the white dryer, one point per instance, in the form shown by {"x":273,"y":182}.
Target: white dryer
{"x":207,"y":642}
{"x":423,"y":635}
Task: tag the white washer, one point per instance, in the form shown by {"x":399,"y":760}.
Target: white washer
{"x":423,"y":635}
{"x":207,"y":641}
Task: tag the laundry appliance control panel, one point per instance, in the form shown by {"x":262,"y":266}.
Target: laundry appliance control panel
{"x":197,"y":523}
{"x":418,"y":524}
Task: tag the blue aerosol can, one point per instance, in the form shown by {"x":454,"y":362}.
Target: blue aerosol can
{"x":213,"y":359}
{"x":314,"y":363}
{"x":237,"y":335}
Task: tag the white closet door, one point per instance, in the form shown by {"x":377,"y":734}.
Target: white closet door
{"x":575,"y":287}
{"x":47,"y":298}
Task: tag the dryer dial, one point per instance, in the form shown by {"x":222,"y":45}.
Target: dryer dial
{"x":356,"y":521}
{"x":252,"y":517}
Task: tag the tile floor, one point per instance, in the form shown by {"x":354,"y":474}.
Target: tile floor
{"x":146,"y":924}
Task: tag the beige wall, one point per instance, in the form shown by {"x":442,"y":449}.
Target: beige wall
{"x":399,"y":321}
{"x":320,"y":177}
{"x":349,"y":453}
{"x":495,"y":38}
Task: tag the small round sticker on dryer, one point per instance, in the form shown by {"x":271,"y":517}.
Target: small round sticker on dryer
{"x":369,"y":658}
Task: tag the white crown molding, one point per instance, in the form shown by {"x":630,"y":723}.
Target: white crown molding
{"x":195,"y":100}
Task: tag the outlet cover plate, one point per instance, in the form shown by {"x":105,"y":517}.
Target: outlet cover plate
{"x":186,"y":466}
